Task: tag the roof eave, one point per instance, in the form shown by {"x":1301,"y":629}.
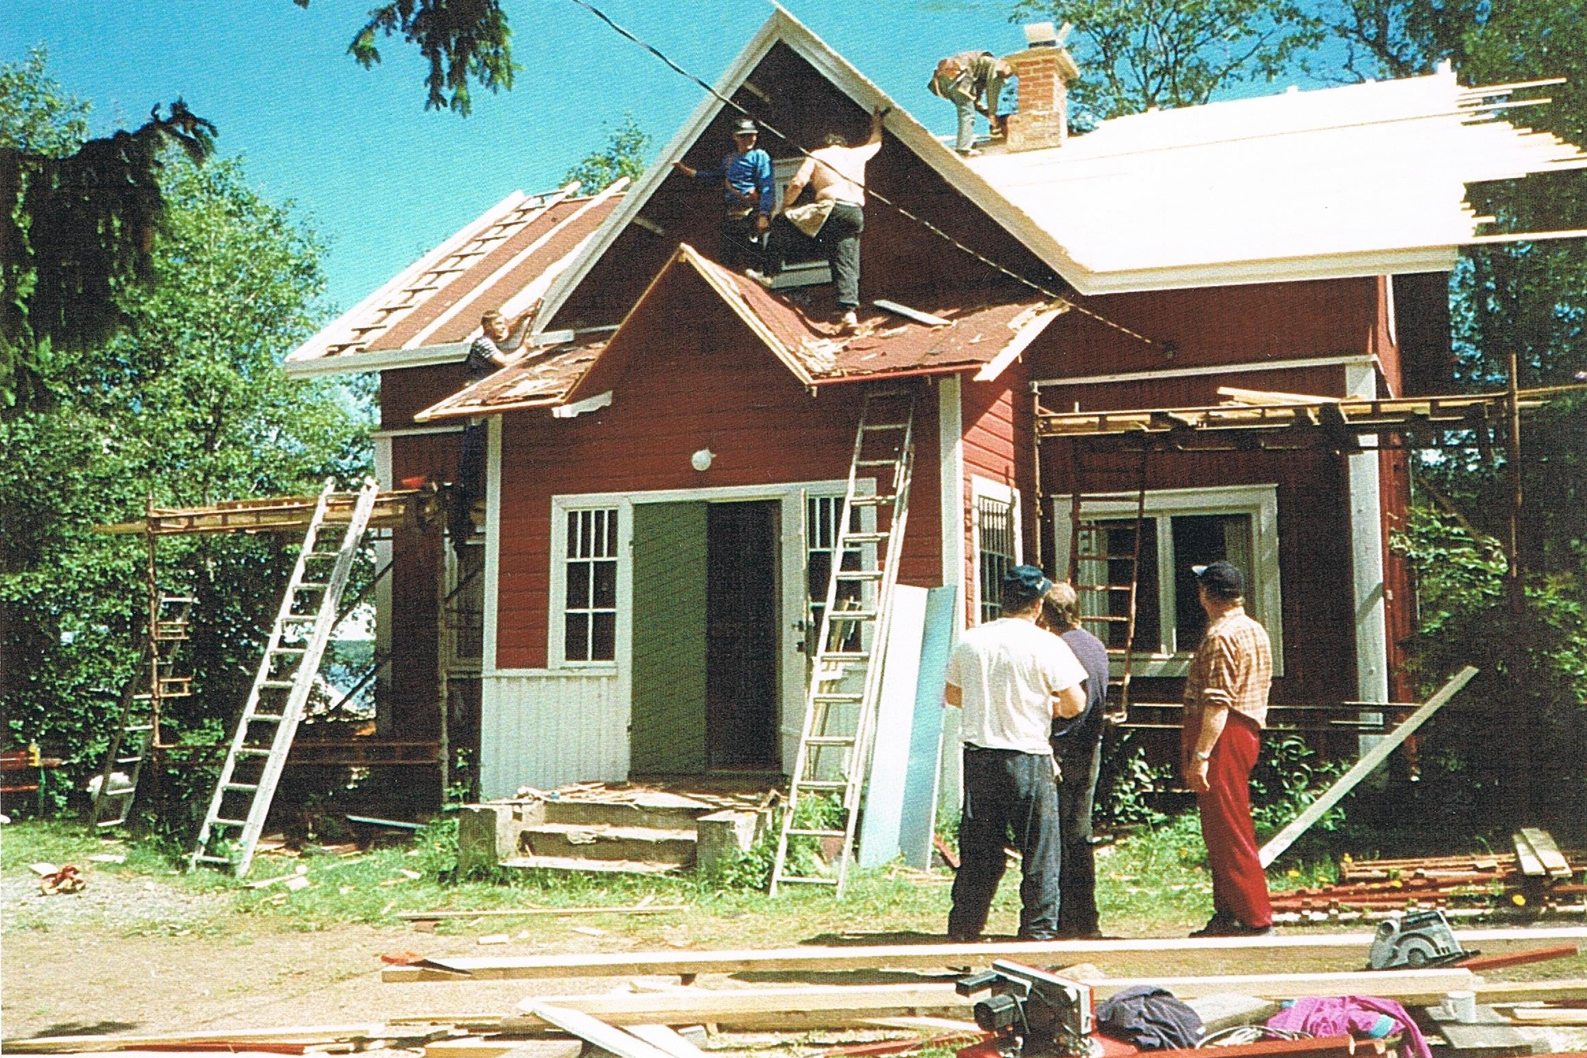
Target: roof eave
{"x":380,"y":360}
{"x":1275,"y":270}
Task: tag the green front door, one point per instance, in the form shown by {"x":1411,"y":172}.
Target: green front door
{"x":667,"y":732}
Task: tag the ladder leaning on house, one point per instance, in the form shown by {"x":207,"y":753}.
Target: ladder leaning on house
{"x":137,"y":724}
{"x":1105,"y":569}
{"x":258,"y":753}
{"x":846,"y":676}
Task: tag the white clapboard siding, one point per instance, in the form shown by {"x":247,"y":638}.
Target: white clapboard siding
{"x":544,"y":729}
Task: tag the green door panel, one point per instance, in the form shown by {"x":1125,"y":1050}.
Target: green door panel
{"x":667,"y":734}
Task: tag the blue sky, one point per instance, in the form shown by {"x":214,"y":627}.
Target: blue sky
{"x":380,"y":178}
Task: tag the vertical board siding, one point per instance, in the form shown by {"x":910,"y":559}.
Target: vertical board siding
{"x":669,"y":653}
{"x":546,"y":729}
{"x":404,"y":392}
{"x":703,"y":382}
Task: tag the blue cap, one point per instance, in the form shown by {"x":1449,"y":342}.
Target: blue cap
{"x":1027,"y":581}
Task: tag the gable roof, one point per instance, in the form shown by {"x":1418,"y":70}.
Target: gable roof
{"x":783,"y":28}
{"x":984,"y":336}
{"x":1366,"y":179}
{"x":503,"y":260}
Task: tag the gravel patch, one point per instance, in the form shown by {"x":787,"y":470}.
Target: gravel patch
{"x":108,"y":901}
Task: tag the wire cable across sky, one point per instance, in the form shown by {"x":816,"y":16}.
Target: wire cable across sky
{"x":902,"y":211}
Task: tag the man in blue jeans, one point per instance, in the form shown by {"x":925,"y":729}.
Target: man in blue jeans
{"x":749,"y":194}
{"x":1010,"y":678}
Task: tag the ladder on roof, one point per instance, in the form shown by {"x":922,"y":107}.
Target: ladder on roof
{"x":846,"y":676}
{"x":258,"y":754}
{"x":1105,"y":563}
{"x":137,"y":725}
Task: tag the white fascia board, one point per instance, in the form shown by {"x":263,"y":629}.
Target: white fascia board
{"x":384,"y":360}
{"x":783,"y":26}
{"x":1278,"y":270}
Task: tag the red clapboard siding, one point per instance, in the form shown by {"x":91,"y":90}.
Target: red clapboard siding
{"x":1216,"y":325}
{"x":703,"y":382}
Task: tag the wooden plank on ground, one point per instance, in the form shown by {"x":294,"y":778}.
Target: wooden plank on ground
{"x":1543,"y":846}
{"x":607,"y":1037}
{"x":298,"y":1034}
{"x":1365,"y":766}
{"x":502,"y":1047}
{"x":515,"y":912}
{"x":1531,"y":864}
{"x":666,"y":1038}
{"x":1504,"y":993}
{"x":835,"y":1005}
{"x":904,"y":956}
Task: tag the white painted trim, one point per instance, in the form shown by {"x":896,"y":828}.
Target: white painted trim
{"x":950,"y":443}
{"x":415,"y":431}
{"x":1206,"y":369}
{"x":1366,"y":550}
{"x":1002,"y":492}
{"x":1265,"y":595}
{"x":383,"y":557}
{"x":1355,"y":265}
{"x":579,"y":407}
{"x":1020,"y":342}
{"x":382,"y":360}
{"x":492,"y":574}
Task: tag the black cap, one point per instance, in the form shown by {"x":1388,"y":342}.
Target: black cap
{"x":746,"y":127}
{"x":1221,"y":579}
{"x":1028,"y":582}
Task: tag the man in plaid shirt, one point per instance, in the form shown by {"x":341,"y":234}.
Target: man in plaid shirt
{"x":1225,"y":711}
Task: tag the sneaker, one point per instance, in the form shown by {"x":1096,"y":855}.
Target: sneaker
{"x":850,"y":319}
{"x":760,"y":277}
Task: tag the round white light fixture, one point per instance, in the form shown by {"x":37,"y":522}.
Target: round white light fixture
{"x":701,"y":460}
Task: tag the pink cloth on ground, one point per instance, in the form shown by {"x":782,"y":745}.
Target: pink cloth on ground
{"x":1353,"y":1015}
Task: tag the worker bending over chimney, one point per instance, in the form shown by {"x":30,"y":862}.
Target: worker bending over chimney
{"x":965,"y":80}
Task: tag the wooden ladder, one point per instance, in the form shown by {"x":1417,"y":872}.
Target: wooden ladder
{"x":846,"y":677}
{"x":1108,"y":585}
{"x":137,"y":724}
{"x":258,"y":754}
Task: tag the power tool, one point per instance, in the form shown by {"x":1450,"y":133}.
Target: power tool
{"x":1033,"y":1014}
{"x":1416,"y":938}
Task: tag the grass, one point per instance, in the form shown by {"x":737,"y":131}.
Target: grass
{"x":1152,"y":881}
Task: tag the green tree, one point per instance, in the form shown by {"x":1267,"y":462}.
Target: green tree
{"x":1136,"y":54}
{"x":187,"y":403}
{"x":1529,"y":299}
{"x":626,"y":153}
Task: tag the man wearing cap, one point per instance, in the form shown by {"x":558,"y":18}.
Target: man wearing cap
{"x":1225,"y":711}
{"x":750,"y":195}
{"x":1010,"y":678}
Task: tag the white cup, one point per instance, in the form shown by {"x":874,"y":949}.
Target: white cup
{"x":1462,"y":1006}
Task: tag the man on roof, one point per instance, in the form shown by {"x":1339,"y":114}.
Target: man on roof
{"x":836,"y":175}
{"x":965,"y":80}
{"x":750,"y":196}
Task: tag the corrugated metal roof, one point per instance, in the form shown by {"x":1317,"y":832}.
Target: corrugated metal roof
{"x":504,"y":260}
{"x":1365,"y":179}
{"x":982,"y":335}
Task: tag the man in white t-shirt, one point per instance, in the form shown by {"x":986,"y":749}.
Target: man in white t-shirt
{"x":1011,"y":678}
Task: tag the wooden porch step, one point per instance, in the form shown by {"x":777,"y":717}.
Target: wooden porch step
{"x":671,"y":847}
{"x":656,"y":810}
{"x":574,"y":863}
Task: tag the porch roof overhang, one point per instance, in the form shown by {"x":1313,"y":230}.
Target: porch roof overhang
{"x":983,"y":337}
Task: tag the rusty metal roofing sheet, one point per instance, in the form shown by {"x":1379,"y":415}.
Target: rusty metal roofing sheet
{"x":542,"y":380}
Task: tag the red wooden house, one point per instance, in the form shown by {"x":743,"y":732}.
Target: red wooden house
{"x":663,"y":469}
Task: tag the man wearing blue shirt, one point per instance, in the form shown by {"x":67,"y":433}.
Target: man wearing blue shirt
{"x":750,"y":196}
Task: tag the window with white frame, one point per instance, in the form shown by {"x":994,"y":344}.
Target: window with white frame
{"x":996,"y":541}
{"x":1182,"y":528}
{"x":589,"y":609}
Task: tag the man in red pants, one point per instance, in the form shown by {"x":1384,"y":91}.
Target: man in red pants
{"x":1225,"y":711}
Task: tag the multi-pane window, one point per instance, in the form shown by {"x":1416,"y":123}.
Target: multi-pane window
{"x":465,"y":604}
{"x":590,"y":605}
{"x":1182,"y":528}
{"x":822,"y":517}
{"x":995,"y":551}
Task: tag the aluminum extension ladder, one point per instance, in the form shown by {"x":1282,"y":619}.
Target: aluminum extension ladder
{"x":846,"y":677}
{"x":1107,"y":586}
{"x":137,"y":725}
{"x":258,"y":754}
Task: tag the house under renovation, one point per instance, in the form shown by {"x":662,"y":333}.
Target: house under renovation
{"x":641,"y":588}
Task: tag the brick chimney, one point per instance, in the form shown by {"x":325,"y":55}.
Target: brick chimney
{"x":1044,"y":70}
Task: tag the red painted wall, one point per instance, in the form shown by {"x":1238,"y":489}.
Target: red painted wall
{"x":703,"y":381}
